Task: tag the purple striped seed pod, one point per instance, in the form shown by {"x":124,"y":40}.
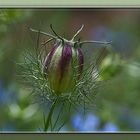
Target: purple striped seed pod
{"x":62,"y":65}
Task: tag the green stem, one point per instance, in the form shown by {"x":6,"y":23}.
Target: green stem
{"x":47,"y":122}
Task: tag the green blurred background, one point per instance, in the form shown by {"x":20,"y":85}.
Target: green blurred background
{"x":117,"y":102}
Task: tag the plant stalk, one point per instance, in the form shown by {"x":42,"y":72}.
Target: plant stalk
{"x":49,"y":117}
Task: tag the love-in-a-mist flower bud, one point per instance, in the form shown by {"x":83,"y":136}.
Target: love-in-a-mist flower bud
{"x":63,"y":66}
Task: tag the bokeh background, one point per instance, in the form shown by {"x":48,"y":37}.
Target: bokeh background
{"x":118,"y":99}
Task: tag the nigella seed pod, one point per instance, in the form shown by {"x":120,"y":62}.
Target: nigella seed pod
{"x":62,"y":65}
{"x":62,"y":74}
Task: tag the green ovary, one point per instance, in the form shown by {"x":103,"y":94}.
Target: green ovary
{"x":67,"y":82}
